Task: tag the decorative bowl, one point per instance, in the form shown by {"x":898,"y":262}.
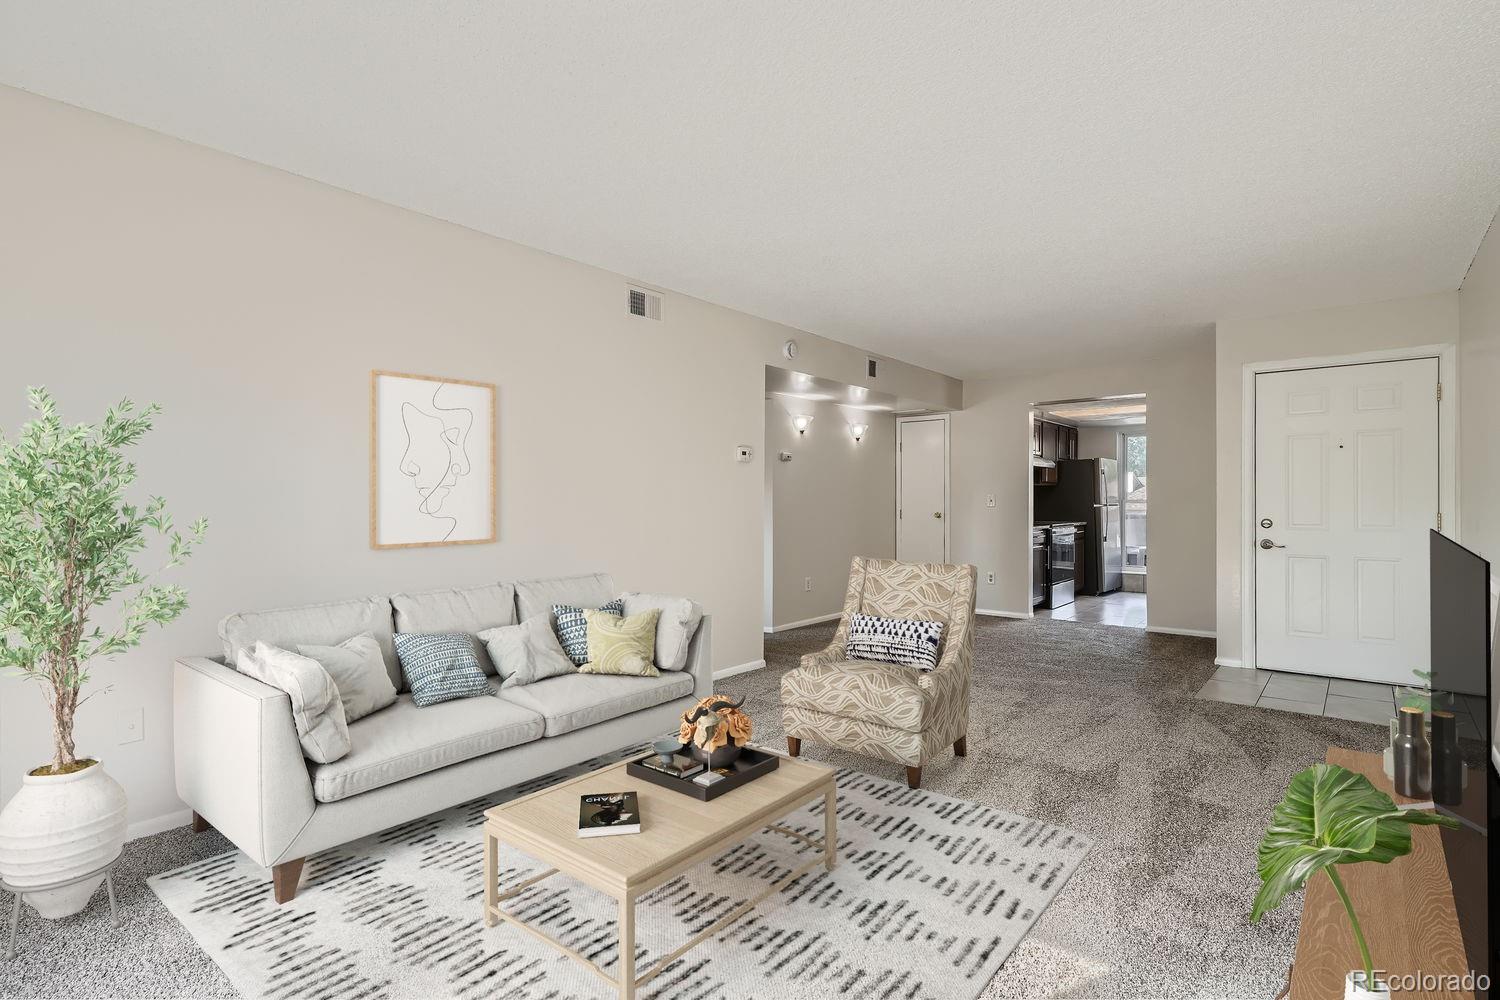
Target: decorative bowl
{"x":666,"y":749}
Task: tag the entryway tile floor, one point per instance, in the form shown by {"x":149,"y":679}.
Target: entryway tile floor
{"x":1332,"y":697}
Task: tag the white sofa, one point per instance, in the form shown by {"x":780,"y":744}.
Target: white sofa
{"x":240,"y":766}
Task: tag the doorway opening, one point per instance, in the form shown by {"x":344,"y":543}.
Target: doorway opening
{"x":1089,"y":461}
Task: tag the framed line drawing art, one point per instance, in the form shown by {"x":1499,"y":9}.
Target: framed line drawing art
{"x":432,"y":461}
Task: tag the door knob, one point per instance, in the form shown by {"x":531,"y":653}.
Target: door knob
{"x":938,"y":514}
{"x":1266,"y":543}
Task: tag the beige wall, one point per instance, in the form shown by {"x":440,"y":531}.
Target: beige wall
{"x":1479,"y":402}
{"x":992,"y":454}
{"x":834,"y":500}
{"x":1425,"y":320}
{"x":253,"y":304}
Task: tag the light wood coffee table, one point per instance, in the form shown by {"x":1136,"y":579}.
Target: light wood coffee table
{"x":677,"y":832}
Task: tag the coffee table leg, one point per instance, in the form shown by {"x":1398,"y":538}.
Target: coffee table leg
{"x":831,"y":828}
{"x":491,"y":879}
{"x":627,"y":949}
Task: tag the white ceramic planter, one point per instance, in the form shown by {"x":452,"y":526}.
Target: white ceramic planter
{"x":1354,"y":987}
{"x":60,"y":827}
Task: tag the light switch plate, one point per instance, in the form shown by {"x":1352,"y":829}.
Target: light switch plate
{"x":989,"y":501}
{"x":132,"y":725}
{"x":742,"y":453}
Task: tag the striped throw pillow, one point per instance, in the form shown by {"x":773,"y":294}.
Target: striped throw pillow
{"x":894,"y":640}
{"x":440,"y":667}
{"x":573,"y":629}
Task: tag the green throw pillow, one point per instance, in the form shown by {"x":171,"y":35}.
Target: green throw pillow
{"x":621,"y":645}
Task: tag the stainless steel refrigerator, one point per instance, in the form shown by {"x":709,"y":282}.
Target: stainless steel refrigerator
{"x":1088,"y":490}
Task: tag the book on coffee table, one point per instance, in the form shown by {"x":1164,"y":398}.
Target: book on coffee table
{"x":608,"y":814}
{"x":682,"y":765}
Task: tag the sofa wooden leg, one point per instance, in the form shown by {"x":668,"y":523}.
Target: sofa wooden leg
{"x":284,"y":879}
{"x":200,"y":825}
{"x":793,"y":746}
{"x":914,"y":777}
{"x":961,"y":747}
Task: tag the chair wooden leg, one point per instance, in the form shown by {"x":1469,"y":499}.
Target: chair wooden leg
{"x":914,"y":777}
{"x":200,"y":824}
{"x":793,"y":746}
{"x":961,"y":747}
{"x":284,"y":879}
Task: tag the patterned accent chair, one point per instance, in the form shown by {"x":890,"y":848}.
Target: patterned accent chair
{"x":886,"y":710}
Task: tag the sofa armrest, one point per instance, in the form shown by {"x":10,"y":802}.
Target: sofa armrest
{"x":239,"y":763}
{"x":700,"y":661}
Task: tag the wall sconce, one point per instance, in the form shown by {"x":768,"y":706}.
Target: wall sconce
{"x":858,"y":431}
{"x":801,"y":422}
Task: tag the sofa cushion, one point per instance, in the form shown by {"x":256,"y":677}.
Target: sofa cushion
{"x":884,"y":693}
{"x":458,"y":609}
{"x":579,"y":700}
{"x":674,"y":630}
{"x":622,"y":646}
{"x":404,"y":741}
{"x":526,"y":653}
{"x":572,"y":626}
{"x":357,"y":668}
{"x":536,"y":597}
{"x":440,"y":667}
{"x":316,"y":710}
{"x":313,"y":625}
{"x":908,"y":641}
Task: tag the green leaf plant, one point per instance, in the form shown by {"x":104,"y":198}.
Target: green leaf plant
{"x":1331,"y":816}
{"x":68,"y":546}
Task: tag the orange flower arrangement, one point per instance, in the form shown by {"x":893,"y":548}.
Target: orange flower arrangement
{"x":709,"y":724}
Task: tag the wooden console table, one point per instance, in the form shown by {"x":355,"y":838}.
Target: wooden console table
{"x":1406,"y":909}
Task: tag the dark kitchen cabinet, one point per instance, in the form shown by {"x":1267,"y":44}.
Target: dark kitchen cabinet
{"x":1067,"y":444}
{"x":1049,"y":440}
{"x":1036,"y":438}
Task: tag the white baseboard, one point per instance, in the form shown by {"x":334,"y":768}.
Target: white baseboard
{"x":1002,"y":614}
{"x":156,"y":824}
{"x":1228,"y":661}
{"x":806,"y":621}
{"x":743,"y":668}
{"x":1203,"y":633}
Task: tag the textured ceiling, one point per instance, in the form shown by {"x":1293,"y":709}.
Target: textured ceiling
{"x":971,"y":187}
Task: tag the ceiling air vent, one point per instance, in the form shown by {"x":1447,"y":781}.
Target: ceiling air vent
{"x":644,"y":303}
{"x":870,"y":367}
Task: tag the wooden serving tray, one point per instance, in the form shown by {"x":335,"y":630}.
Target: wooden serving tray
{"x":748,"y":766}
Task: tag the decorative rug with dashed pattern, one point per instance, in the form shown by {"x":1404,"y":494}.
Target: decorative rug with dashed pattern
{"x":929,"y":896}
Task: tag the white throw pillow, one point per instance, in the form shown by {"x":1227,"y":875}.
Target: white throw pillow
{"x":316,"y":709}
{"x":358,"y":670}
{"x":674,"y":629}
{"x":526,"y":653}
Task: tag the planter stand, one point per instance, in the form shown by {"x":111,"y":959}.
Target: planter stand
{"x":15,"y":913}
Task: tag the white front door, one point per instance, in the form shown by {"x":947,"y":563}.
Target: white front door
{"x":1346,"y":487}
{"x":922,"y":489}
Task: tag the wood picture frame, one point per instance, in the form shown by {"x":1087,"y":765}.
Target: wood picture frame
{"x":432,"y":461}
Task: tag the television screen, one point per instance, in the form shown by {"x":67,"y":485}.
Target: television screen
{"x":1461,"y":630}
{"x":1463,"y":784}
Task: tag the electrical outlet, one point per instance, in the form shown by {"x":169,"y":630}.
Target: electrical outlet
{"x":989,"y":577}
{"x":807,"y":584}
{"x":132,"y":723}
{"x":989,"y":501}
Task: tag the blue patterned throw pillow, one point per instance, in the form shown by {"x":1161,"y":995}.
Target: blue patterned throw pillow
{"x":440,"y":667}
{"x":894,"y":640}
{"x":573,"y":631}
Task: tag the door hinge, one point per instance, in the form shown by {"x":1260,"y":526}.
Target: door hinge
{"x":1440,"y":520}
{"x":1440,"y":392}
